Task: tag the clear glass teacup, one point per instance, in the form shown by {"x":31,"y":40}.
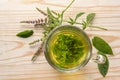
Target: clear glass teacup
{"x":68,"y":48}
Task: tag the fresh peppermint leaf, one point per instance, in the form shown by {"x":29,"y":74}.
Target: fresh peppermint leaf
{"x":90,"y":17}
{"x":102,"y":45}
{"x":25,"y":33}
{"x":79,"y":15}
{"x":103,"y":68}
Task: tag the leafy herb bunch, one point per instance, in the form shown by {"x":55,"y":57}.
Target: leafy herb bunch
{"x":55,"y":19}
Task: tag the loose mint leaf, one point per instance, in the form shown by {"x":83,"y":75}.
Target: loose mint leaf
{"x":25,"y":33}
{"x":90,"y":17}
{"x":103,"y":68}
{"x":79,"y":15}
{"x":102,"y":45}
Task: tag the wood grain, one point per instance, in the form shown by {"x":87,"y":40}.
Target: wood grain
{"x":16,"y":54}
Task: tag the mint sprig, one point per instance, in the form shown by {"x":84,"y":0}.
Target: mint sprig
{"x":85,"y":23}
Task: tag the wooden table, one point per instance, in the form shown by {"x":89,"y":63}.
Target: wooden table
{"x":16,"y":54}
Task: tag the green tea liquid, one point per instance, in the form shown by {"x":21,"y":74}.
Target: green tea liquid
{"x":68,"y":50}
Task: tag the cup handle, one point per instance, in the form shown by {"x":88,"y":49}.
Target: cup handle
{"x":100,"y":59}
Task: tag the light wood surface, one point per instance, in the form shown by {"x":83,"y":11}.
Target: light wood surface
{"x":16,"y":54}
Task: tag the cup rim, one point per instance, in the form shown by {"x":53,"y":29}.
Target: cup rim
{"x":88,"y":57}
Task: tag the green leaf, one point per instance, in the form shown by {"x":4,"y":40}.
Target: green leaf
{"x":25,"y":33}
{"x":90,"y":17}
{"x":50,"y":15}
{"x":84,"y":24}
{"x":52,"y":20}
{"x":103,"y":68}
{"x":102,"y":45}
{"x":79,"y":15}
{"x":55,"y":13}
{"x":59,"y":15}
{"x":42,"y":12}
{"x":71,"y":21}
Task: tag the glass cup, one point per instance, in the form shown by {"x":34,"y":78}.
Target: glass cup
{"x":76,"y":62}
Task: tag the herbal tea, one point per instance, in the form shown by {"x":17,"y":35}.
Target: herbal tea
{"x":67,"y":48}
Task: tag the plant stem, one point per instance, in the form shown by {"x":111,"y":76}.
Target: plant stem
{"x":45,"y":14}
{"x":34,"y":42}
{"x":37,"y":52}
{"x":65,"y":10}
